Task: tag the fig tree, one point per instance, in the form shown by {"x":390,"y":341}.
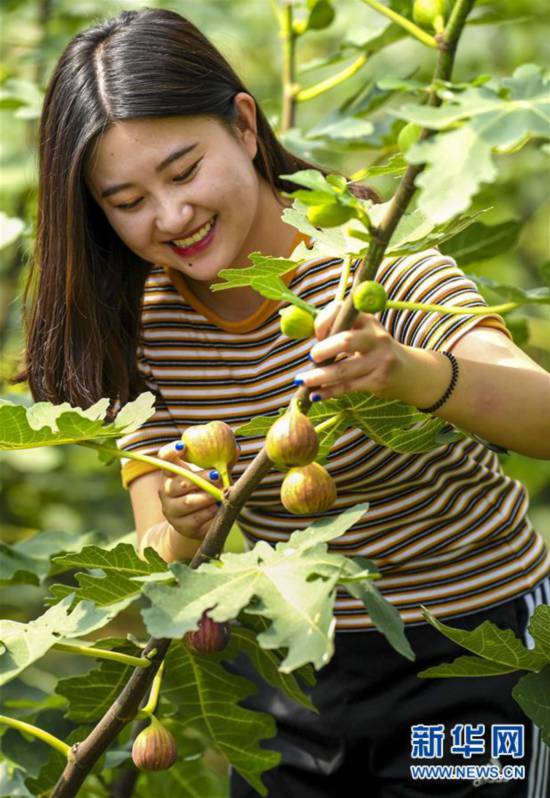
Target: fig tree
{"x":211,"y":445}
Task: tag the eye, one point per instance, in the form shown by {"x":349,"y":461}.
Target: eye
{"x":177,"y":179}
{"x":186,"y":174}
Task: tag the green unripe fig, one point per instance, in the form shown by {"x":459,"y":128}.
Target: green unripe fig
{"x":329,"y":215}
{"x":210,"y":636}
{"x":431,"y":13}
{"x":292,"y":440}
{"x":308,"y":490}
{"x":408,"y":136}
{"x":369,"y":297}
{"x":154,"y":748}
{"x":321,"y":15}
{"x":296,"y":323}
{"x":211,"y":445}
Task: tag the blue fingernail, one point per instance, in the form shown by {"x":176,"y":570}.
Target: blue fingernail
{"x":298,"y":381}
{"x":315,"y":397}
{"x":218,"y":504}
{"x":179,"y":446}
{"x":311,"y":357}
{"x":214,"y":474}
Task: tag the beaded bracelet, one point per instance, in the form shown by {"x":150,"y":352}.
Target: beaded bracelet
{"x":450,"y":389}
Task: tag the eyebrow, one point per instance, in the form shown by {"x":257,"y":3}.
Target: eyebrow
{"x":179,"y":153}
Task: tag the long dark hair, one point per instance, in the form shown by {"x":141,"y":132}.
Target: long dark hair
{"x":82,"y":301}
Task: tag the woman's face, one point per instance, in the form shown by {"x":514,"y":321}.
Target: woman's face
{"x":159,"y":181}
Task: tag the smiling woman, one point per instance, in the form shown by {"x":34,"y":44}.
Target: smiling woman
{"x":157,"y":170}
{"x":141,"y":146}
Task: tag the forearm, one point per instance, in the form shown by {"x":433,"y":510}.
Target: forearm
{"x":168,"y":543}
{"x":506,"y":405}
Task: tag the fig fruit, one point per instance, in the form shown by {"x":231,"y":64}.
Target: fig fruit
{"x":431,"y":13}
{"x":211,"y":636}
{"x":408,"y":136}
{"x":211,"y":445}
{"x":292,"y":440}
{"x":369,"y":297}
{"x":296,"y":323}
{"x":308,"y":490}
{"x":329,"y":215}
{"x":154,"y":748}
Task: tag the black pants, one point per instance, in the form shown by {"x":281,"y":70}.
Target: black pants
{"x":369,"y":697}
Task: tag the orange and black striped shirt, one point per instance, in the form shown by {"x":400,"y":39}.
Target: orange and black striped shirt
{"x":446,"y":528}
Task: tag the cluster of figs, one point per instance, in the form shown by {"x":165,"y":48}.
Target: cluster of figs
{"x":292,"y":445}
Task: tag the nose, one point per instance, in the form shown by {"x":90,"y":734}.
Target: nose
{"x":172,"y":217}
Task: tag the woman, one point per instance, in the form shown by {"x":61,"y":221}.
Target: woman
{"x":157,"y":170}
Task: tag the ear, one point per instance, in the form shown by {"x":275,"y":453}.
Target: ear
{"x":245,"y":122}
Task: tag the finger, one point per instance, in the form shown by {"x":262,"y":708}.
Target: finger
{"x":342,"y":371}
{"x":190,"y":503}
{"x":325,"y":319}
{"x":175,"y":486}
{"x":191,"y":525}
{"x":346,"y":342}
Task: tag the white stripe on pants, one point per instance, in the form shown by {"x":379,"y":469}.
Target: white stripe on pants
{"x":537,"y":778}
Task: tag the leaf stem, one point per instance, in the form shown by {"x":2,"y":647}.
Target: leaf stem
{"x":334,"y":80}
{"x":405,"y":23}
{"x":151,"y":704}
{"x":330,"y":422}
{"x":340,"y":294}
{"x":40,"y":734}
{"x":102,"y":653}
{"x":290,"y":87}
{"x":192,"y":476}
{"x":481,"y":311}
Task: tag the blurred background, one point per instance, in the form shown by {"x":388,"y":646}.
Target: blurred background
{"x":66,"y":488}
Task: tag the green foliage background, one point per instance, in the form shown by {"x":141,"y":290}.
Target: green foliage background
{"x":66,"y":488}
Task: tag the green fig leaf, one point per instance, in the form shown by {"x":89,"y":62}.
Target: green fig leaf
{"x":120,"y":578}
{"x":293,"y":585}
{"x":491,"y":643}
{"x":45,"y":424}
{"x":21,"y":644}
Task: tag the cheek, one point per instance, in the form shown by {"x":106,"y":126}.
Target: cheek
{"x":130,"y":231}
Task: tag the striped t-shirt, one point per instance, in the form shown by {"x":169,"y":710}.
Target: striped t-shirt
{"x":446,"y":528}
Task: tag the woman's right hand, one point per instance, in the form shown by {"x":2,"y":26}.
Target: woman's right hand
{"x":186,"y":507}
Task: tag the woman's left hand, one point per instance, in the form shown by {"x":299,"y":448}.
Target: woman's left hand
{"x":368,"y":358}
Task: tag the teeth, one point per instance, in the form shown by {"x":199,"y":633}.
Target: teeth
{"x":200,"y":234}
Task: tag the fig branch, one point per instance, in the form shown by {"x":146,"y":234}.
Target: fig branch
{"x":126,"y":707}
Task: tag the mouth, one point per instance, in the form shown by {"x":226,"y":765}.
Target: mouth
{"x":197,"y":242}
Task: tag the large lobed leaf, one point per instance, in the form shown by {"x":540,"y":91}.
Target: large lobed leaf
{"x":21,"y":644}
{"x":121,"y":575}
{"x":388,"y":422}
{"x":498,"y":119}
{"x":292,"y":585}
{"x":206,"y":695}
{"x":45,"y":424}
{"x":499,"y":647}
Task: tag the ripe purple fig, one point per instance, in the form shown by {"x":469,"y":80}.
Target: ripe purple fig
{"x":154,"y":748}
{"x":211,"y":445}
{"x":292,"y":440}
{"x":210,"y":637}
{"x":308,"y":490}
